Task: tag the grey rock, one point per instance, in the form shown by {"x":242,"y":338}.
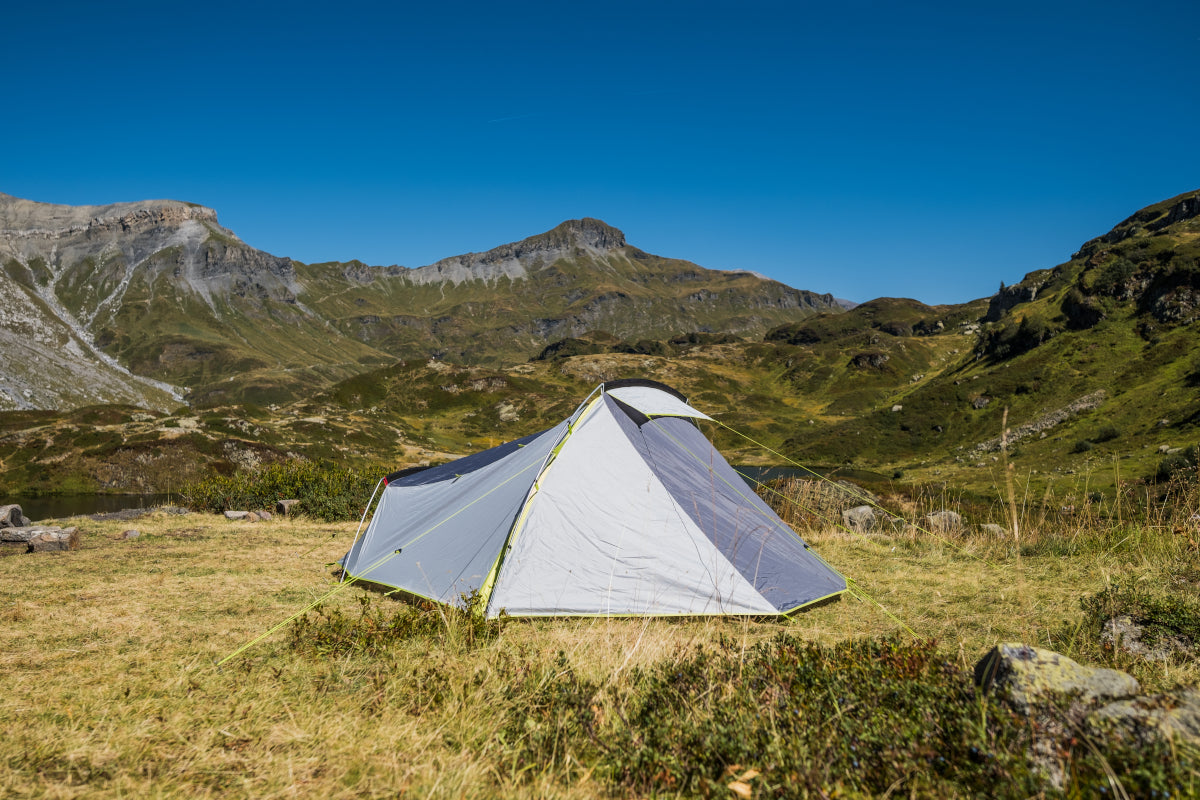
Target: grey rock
{"x":51,"y":540}
{"x":859,"y":518}
{"x":132,"y":533}
{"x":1024,"y":676}
{"x":236,"y":514}
{"x":1170,"y":716}
{"x":1128,"y":634}
{"x":11,"y":517}
{"x":284,"y":507}
{"x":993,"y":530}
{"x":944,"y":522}
{"x":265,"y":516}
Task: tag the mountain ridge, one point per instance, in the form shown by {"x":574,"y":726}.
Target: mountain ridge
{"x":161,"y":292}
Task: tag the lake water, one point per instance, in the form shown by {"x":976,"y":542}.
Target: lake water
{"x":40,"y":508}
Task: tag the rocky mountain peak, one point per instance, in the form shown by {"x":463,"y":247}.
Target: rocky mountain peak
{"x":30,"y":219}
{"x":589,"y":233}
{"x":517,"y":259}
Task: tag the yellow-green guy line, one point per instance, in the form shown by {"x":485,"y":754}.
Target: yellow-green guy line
{"x":854,"y":494}
{"x":853,"y":587}
{"x":374,"y":566}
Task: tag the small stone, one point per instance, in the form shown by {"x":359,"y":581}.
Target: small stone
{"x":132,"y":533}
{"x":265,"y":516}
{"x":992,"y":529}
{"x":251,"y":516}
{"x":859,"y":518}
{"x":945,"y":522}
{"x":236,"y":514}
{"x":897,"y":407}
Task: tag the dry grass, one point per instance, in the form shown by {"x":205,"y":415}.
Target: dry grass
{"x":107,"y":656}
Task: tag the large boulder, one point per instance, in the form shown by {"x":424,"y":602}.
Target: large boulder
{"x":11,"y":517}
{"x":1025,"y":677}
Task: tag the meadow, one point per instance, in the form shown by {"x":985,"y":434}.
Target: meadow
{"x":109,"y":658}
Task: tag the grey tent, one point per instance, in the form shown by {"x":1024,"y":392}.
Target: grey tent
{"x":625,"y":508}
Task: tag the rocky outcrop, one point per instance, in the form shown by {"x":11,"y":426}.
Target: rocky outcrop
{"x":1046,"y":421}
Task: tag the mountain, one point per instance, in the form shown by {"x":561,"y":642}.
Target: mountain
{"x":151,"y":302}
{"x":1091,"y":367}
{"x":1093,"y":364}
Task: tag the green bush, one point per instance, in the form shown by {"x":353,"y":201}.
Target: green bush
{"x":1176,"y":465}
{"x":381,"y":625}
{"x":1161,"y":614}
{"x":325,"y":491}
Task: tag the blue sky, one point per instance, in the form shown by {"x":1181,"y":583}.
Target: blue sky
{"x":919,"y":149}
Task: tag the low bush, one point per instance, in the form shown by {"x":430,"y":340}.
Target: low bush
{"x":381,"y":625}
{"x":325,"y":491}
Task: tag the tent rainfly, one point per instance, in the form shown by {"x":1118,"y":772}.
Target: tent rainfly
{"x":623,"y":509}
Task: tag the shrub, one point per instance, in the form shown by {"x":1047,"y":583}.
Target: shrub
{"x":381,"y":625}
{"x":325,"y":491}
{"x":1175,"y":465}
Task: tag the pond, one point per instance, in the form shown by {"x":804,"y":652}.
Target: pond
{"x":59,"y":507}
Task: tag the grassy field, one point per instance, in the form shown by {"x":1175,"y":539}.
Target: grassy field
{"x":108,"y":656}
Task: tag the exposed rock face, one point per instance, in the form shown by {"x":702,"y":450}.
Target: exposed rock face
{"x":516,"y":260}
{"x":1174,"y":715}
{"x":1046,"y":421}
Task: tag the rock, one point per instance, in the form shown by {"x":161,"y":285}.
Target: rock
{"x":251,"y":516}
{"x":981,"y":402}
{"x":54,"y":540}
{"x":1036,"y":683}
{"x":1170,"y":716}
{"x":131,"y":534}
{"x":992,"y":529}
{"x":1128,"y":634}
{"x":870,"y":360}
{"x":944,"y":522}
{"x":284,"y":507}
{"x":236,"y":514}
{"x":859,"y":518}
{"x":897,"y":407}
{"x":1164,"y":448}
{"x":265,"y":516}
{"x":27,"y":533}
{"x":11,"y":517}
{"x":1024,"y":676}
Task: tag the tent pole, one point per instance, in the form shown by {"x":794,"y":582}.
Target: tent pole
{"x":360,"y":524}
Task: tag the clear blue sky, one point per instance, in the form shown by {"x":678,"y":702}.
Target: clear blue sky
{"x":920,"y":149}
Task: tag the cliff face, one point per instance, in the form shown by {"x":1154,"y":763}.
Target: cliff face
{"x":571,"y":239}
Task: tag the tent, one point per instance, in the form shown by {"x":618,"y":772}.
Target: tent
{"x":624,"y":508}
